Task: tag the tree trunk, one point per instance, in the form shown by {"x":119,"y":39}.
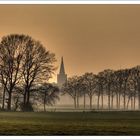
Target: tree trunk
{"x":45,"y":103}
{"x":124,"y":103}
{"x":26,"y":104}
{"x":117,"y":101}
{"x":134,"y":101}
{"x":131,"y":102}
{"x":98,"y":101}
{"x":128,"y":102}
{"x":28,"y":97}
{"x":25,"y":96}
{"x":44,"y":107}
{"x":77,"y":102}
{"x":90,"y":102}
{"x":112,"y":99}
{"x":124,"y":100}
{"x":109,"y":99}
{"x":16,"y":104}
{"x":84,"y":101}
{"x":9,"y":101}
{"x":102,"y":97}
{"x":3,"y":98}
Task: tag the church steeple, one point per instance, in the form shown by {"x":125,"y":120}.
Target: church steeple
{"x":62,"y":69}
{"x":61,"y":77}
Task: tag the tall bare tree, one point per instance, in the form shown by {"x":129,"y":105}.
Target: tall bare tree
{"x":136,"y":81}
{"x":90,"y":82}
{"x":100,"y":88}
{"x":72,"y":88}
{"x":37,"y":66}
{"x":25,"y":62}
{"x":11,"y":54}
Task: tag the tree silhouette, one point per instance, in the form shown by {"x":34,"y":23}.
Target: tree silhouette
{"x":11,"y":54}
{"x":37,"y":66}
{"x":90,"y":82}
{"x":72,"y":88}
{"x":48,"y":94}
{"x":23,"y":62}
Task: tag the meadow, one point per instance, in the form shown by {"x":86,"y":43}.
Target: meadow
{"x":70,"y":123}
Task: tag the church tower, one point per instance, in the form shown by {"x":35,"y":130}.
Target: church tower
{"x":61,"y":77}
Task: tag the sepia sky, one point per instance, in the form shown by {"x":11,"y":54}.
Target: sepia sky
{"x":91,"y":38}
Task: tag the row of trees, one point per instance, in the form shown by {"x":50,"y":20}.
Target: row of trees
{"x":25,"y":66}
{"x":119,"y":89}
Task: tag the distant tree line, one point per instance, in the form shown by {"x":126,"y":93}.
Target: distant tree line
{"x":118,"y":89}
{"x":25,"y":68}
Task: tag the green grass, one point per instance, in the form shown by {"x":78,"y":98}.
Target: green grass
{"x":70,"y":123}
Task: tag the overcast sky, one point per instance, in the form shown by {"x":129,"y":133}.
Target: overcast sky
{"x":91,"y":38}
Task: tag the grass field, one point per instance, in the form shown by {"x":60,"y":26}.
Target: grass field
{"x":70,"y":123}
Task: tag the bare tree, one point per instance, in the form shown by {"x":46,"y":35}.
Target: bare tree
{"x":82,"y":90}
{"x":11,"y":53}
{"x":37,"y":66}
{"x":48,"y":93}
{"x":125,"y":77}
{"x":108,"y":75}
{"x":72,"y":88}
{"x":23,"y":61}
{"x":136,"y":81}
{"x":90,"y":82}
{"x":100,"y":88}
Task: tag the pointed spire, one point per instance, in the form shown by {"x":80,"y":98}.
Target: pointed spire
{"x":62,"y":69}
{"x":61,"y":77}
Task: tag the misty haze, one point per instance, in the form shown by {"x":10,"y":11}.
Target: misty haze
{"x":70,"y":70}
